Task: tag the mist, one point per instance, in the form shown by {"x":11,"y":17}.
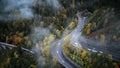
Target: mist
{"x":49,"y":27}
{"x":42,"y":39}
{"x":54,"y":4}
{"x":15,"y":9}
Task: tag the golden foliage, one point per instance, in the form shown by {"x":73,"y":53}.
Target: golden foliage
{"x":45,"y":41}
{"x":33,"y":66}
{"x":54,"y":59}
{"x":51,"y":38}
{"x":21,"y":34}
{"x":67,"y":38}
{"x":83,"y":54}
{"x":8,"y":60}
{"x":7,"y":38}
{"x":64,"y":16}
{"x":16,"y":55}
{"x":89,"y":25}
{"x":110,"y":57}
{"x":26,"y":37}
{"x":72,"y":24}
{"x":102,"y":37}
{"x":88,"y":30}
{"x":54,"y":18}
{"x":47,"y":51}
{"x":99,"y":54}
{"x":58,"y":32}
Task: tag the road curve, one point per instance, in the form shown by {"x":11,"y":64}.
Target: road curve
{"x":57,"y":51}
{"x":56,"y":48}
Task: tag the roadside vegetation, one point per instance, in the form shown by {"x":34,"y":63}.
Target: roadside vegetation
{"x":103,"y":25}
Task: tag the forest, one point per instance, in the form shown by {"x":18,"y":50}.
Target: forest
{"x":59,"y":34}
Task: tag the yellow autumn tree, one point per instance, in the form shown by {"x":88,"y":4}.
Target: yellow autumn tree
{"x":88,"y":28}
{"x":72,"y":25}
{"x":83,"y":54}
{"x":102,"y":37}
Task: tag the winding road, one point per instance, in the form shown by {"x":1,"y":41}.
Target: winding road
{"x":56,"y":48}
{"x":57,"y":51}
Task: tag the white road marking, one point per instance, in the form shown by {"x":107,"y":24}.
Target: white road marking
{"x":57,"y":52}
